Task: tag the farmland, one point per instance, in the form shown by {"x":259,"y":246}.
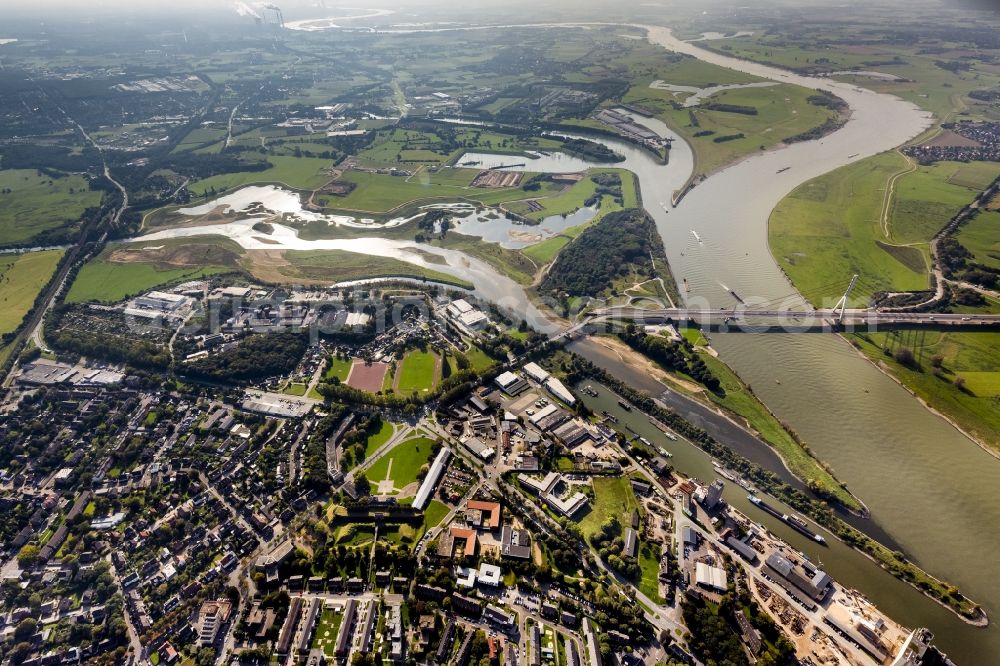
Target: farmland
{"x":830,"y":228}
{"x":22,"y":276}
{"x":32,"y":203}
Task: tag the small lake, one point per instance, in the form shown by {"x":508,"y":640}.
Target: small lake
{"x":490,"y":224}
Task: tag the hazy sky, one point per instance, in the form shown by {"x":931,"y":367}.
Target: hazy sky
{"x":340,"y":7}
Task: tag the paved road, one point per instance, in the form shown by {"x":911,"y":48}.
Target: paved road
{"x":791,"y":317}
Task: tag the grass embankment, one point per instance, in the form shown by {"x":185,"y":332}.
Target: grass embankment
{"x":22,"y":276}
{"x":738,"y":398}
{"x":341,"y":266}
{"x":832,"y":227}
{"x":32,"y":202}
{"x":966,"y":385}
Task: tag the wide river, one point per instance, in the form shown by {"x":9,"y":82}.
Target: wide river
{"x":932,"y":490}
{"x":928,"y":486}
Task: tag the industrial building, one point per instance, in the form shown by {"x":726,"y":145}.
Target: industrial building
{"x":799,"y":577}
{"x":710,"y":578}
{"x":510,"y":383}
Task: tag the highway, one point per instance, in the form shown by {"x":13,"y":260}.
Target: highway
{"x":791,"y":318}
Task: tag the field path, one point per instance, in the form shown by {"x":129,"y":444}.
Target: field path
{"x":890,"y":189}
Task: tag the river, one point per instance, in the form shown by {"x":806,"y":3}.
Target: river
{"x":929,"y":487}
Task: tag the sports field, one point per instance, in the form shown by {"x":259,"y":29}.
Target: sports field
{"x":339,"y":368}
{"x":22,"y":276}
{"x":418,"y":371}
{"x":367,"y":377}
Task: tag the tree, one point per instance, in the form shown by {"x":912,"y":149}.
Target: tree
{"x":206,"y":657}
{"x":25,"y":629}
{"x":904,"y":356}
{"x":363,"y":485}
{"x":28,"y":556}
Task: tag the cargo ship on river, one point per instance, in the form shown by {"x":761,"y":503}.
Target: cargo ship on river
{"x":796,"y":523}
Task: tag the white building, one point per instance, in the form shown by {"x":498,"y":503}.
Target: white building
{"x":536,"y":372}
{"x":511,"y":383}
{"x":426,"y":490}
{"x":489,"y":574}
{"x":559,"y":390}
{"x":712,"y":578}
{"x":161,"y":300}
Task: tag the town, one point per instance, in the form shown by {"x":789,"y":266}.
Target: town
{"x":500,"y":520}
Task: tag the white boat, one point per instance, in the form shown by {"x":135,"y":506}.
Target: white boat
{"x":696,"y":236}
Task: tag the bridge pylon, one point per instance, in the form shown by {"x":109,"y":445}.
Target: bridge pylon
{"x":838,"y":309}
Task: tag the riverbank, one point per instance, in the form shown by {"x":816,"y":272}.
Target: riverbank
{"x":972,"y":415}
{"x":736,"y":401}
{"x":893,"y":562}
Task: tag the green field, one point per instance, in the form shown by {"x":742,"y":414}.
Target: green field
{"x":973,"y":357}
{"x":199,"y":137}
{"x":339,"y":368}
{"x":831,"y":227}
{"x":109,"y":281}
{"x":782,"y":112}
{"x":326,"y":631}
{"x":407,"y":458}
{"x":478,"y":359}
{"x":926,"y":199}
{"x":417,"y":372}
{"x":32,"y":202}
{"x":300,"y":173}
{"x":379,"y":193}
{"x":380,"y":438}
{"x":22,"y":276}
{"x":546,"y":250}
{"x":649,"y":565}
{"x":613,"y":497}
{"x":434,"y":513}
{"x":981,"y":237}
